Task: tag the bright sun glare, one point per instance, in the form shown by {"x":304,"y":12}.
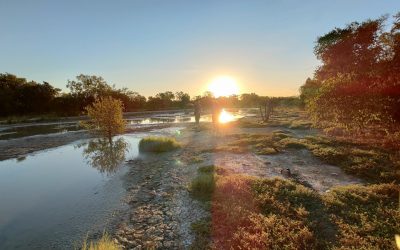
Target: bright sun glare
{"x":224,"y":86}
{"x":225,"y":117}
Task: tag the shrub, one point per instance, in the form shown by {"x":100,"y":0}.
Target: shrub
{"x":367,"y":216}
{"x":254,"y":213}
{"x":106,"y":116}
{"x":158,"y":144}
{"x":202,"y":186}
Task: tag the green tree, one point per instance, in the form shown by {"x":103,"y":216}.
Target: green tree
{"x":182,"y":98}
{"x":106,"y":117}
{"x":357,"y":85}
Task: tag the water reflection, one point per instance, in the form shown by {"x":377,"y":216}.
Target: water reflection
{"x":105,"y":157}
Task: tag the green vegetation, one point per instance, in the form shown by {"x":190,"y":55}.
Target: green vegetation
{"x":19,"y":97}
{"x":259,"y":213}
{"x":362,"y":97}
{"x":106,"y":117}
{"x":158,"y":144}
{"x":105,"y":243}
{"x":375,"y":165}
{"x":367,"y":217}
{"x":203,"y":185}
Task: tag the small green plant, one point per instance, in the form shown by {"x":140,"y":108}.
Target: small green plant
{"x":202,"y":186}
{"x":158,"y":144}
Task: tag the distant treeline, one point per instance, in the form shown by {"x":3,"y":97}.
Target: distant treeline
{"x":357,"y":87}
{"x":21,"y":97}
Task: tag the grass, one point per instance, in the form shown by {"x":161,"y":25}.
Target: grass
{"x":203,"y":185}
{"x":104,"y":243}
{"x":374,"y":165}
{"x":367,"y":217}
{"x":260,"y":213}
{"x":300,"y":124}
{"x":250,"y":213}
{"x":158,"y":144}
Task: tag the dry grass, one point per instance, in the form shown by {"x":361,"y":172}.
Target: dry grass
{"x":104,"y":243}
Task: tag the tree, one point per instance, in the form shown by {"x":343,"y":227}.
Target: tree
{"x":358,"y":84}
{"x":266,"y":106}
{"x":18,"y":96}
{"x":106,"y":117}
{"x":88,"y":86}
{"x":182,"y":98}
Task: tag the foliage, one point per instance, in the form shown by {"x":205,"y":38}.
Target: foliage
{"x":20,"y":97}
{"x":158,"y":144}
{"x":203,"y":185}
{"x":357,"y":85}
{"x":105,"y":243}
{"x":106,"y":117}
{"x":367,"y":217}
{"x":261,"y":213}
{"x":249,"y":213}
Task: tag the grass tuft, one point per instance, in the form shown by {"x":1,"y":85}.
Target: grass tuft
{"x":203,"y":185}
{"x":105,"y":243}
{"x":158,"y":144}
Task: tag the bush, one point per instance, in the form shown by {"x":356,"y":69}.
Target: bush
{"x":158,"y":144}
{"x":202,"y":186}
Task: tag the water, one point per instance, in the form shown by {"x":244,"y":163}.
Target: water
{"x":24,"y":130}
{"x":53,"y":198}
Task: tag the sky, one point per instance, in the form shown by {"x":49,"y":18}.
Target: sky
{"x":152,"y":46}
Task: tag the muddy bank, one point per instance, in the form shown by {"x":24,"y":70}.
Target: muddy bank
{"x":161,"y":210}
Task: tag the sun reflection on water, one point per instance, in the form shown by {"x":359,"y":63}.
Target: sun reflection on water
{"x":225,"y":117}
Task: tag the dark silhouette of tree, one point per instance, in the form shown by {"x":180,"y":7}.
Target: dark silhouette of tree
{"x":20,"y":97}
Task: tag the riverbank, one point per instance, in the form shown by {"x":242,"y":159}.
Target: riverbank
{"x":271,"y":166}
{"x":165,"y":214}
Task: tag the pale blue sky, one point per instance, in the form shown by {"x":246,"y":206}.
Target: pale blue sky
{"x":153,"y":46}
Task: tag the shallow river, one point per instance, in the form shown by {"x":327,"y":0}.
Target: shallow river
{"x":53,"y":198}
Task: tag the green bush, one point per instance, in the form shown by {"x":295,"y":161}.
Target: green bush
{"x":158,"y":144}
{"x":203,"y":185}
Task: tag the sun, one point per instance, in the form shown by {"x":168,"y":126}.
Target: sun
{"x":223,"y":86}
